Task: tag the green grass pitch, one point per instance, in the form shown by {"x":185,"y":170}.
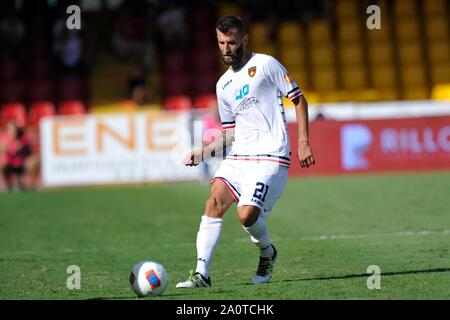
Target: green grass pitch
{"x":327,"y":230}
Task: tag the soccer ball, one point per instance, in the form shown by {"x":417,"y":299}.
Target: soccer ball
{"x":148,"y":278}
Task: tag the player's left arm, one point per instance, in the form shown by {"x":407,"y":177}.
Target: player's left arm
{"x":304,"y":152}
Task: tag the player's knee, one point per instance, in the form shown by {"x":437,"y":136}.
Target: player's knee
{"x":215,"y":207}
{"x":247,"y":215}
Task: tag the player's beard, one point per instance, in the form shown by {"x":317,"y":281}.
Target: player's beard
{"x":236,"y":58}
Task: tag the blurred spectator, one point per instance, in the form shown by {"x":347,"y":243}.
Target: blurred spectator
{"x":138,"y":86}
{"x":15,"y":149}
{"x":68,"y":50}
{"x":173,"y":26}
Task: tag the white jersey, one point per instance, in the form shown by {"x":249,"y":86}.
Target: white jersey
{"x":250,"y":101}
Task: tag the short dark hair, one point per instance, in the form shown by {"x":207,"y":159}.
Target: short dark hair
{"x":226,"y":23}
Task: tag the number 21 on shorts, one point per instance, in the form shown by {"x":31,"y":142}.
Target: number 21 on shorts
{"x":260,"y":192}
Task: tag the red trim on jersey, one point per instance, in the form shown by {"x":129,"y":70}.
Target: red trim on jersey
{"x":228,"y":126}
{"x":294,"y":95}
{"x":285,"y":163}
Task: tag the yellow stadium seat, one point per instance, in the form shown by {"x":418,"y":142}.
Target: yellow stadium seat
{"x":322,"y":56}
{"x":346,"y":8}
{"x":351,"y":54}
{"x":380,"y":35}
{"x":405,"y":8}
{"x":290,"y":33}
{"x":435,"y":7}
{"x":441,"y":92}
{"x":292,"y":57}
{"x":258,"y":32}
{"x":384,"y":76}
{"x":354,"y":78}
{"x":436,"y":27}
{"x":380,"y":53}
{"x":440,"y":73}
{"x":410,"y":52}
{"x":439,"y":51}
{"x":229,"y":9}
{"x":407,"y":29}
{"x":319,"y":31}
{"x":388,"y":94}
{"x":366,"y":95}
{"x":300,"y":77}
{"x":416,"y":93}
{"x":266,"y":48}
{"x":413,"y":75}
{"x":324,"y":79}
{"x":349,"y":31}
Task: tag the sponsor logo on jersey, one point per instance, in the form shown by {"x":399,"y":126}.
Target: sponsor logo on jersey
{"x":247,"y":104}
{"x":226,"y":84}
{"x":251,"y":71}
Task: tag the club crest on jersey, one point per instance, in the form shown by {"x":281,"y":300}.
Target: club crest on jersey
{"x":251,"y":71}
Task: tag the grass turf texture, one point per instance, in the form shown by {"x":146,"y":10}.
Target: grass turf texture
{"x":105,"y":231}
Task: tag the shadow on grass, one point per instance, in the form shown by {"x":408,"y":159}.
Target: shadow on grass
{"x":135,"y":297}
{"x":365,"y":275}
{"x":181,"y":294}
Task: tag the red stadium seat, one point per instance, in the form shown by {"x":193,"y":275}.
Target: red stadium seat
{"x":9,"y":70}
{"x":11,"y":92}
{"x":39,"y":69}
{"x":39,"y":110}
{"x":205,"y":101}
{"x":204,"y":61}
{"x":71,"y":89}
{"x":39,"y":91}
{"x":39,"y":48}
{"x":13,"y":111}
{"x":177,"y":103}
{"x":202,"y":38}
{"x":174,"y":62}
{"x":176,"y":85}
{"x":204,"y":83}
{"x":71,"y":107}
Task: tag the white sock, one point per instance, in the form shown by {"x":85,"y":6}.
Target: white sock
{"x":208,"y":237}
{"x":260,"y":236}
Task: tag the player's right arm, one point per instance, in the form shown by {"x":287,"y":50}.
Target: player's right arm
{"x":222,"y":142}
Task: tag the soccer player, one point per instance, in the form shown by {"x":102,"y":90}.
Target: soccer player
{"x":255,"y":170}
{"x":15,"y":150}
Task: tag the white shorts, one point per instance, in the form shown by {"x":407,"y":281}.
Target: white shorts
{"x":258,"y":184}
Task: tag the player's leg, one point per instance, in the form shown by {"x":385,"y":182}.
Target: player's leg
{"x":264,"y":185}
{"x":254,"y":224}
{"x":32,"y":169}
{"x":209,"y":233}
{"x":7,"y":176}
{"x":210,"y":229}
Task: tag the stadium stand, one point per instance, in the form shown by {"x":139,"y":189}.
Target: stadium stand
{"x":331,"y":55}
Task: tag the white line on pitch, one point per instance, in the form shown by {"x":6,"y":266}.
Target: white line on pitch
{"x":362,"y":235}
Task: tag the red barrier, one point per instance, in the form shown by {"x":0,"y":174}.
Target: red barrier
{"x":410,"y":144}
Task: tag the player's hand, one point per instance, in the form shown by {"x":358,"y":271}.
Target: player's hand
{"x":193,"y":158}
{"x":305,"y":155}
